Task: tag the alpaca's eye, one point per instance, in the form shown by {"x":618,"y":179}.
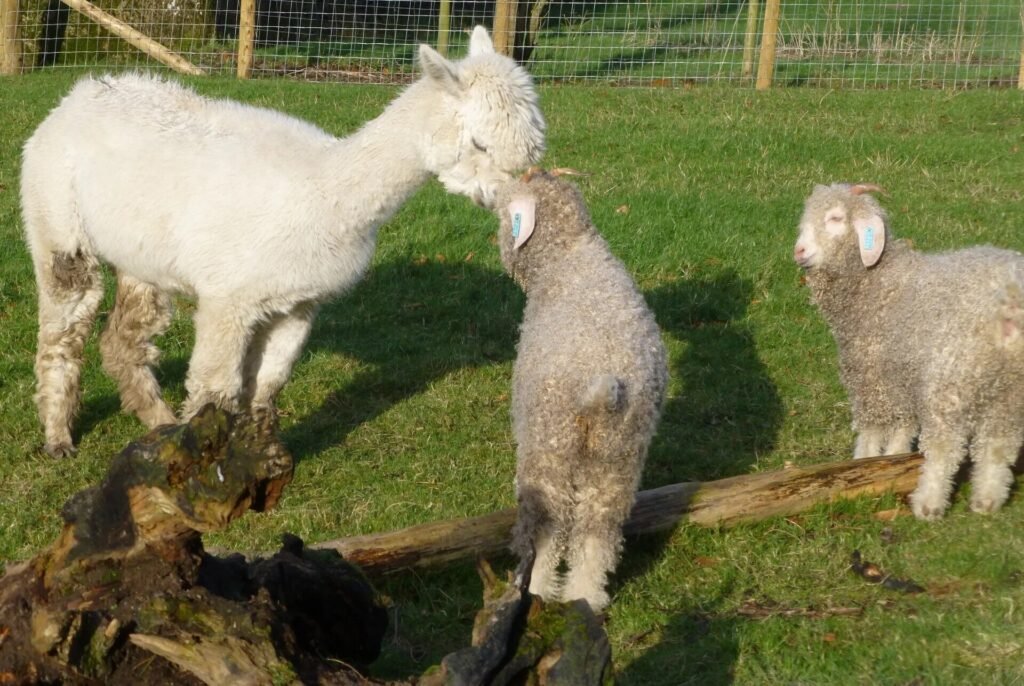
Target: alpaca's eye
{"x":481,"y":148}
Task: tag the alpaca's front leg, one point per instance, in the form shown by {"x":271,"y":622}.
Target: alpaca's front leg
{"x":273,"y":353}
{"x":223,"y":332}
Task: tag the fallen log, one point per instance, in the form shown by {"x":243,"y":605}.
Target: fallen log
{"x":726,"y":502}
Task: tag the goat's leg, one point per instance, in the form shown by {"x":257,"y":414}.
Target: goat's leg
{"x":901,"y":439}
{"x":141,"y":311}
{"x":272,"y":354}
{"x":537,"y":533}
{"x":596,"y":539}
{"x":70,"y":289}
{"x":870,"y":441}
{"x":944,"y":448}
{"x":991,"y":476}
{"x":223,"y":332}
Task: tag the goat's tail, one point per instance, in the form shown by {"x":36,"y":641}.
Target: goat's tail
{"x":604,"y":393}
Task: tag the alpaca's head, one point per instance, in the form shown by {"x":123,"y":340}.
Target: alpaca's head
{"x":489,"y":126}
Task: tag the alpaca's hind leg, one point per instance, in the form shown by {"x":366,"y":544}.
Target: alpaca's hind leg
{"x":223,"y":332}
{"x":70,"y":290}
{"x":140,"y":312}
{"x":535,"y":533}
{"x":272,"y":354}
{"x":991,"y":477}
{"x":596,"y":539}
{"x":944,"y":449}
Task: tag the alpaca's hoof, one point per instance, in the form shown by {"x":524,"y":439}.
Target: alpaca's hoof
{"x":59,"y":450}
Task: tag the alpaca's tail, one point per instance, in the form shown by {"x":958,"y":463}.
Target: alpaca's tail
{"x":605,"y":393}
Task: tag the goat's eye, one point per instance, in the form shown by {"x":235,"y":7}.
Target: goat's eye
{"x":833,"y":219}
{"x":478,"y":146}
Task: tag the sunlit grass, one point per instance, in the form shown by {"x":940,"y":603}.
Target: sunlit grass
{"x":398,"y":410}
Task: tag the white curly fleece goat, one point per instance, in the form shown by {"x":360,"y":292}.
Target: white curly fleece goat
{"x":930,"y":345}
{"x":587,"y":389}
{"x":259,"y":215}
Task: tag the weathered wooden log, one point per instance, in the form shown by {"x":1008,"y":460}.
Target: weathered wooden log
{"x":725,"y":502}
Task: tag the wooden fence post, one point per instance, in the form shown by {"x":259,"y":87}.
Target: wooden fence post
{"x":504,"y":33}
{"x":750,"y":39}
{"x":246,"y":37}
{"x":766,"y":62}
{"x":444,"y":24}
{"x":1020,"y":73}
{"x":10,"y":41}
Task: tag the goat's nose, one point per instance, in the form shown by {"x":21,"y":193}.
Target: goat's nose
{"x":798,"y":252}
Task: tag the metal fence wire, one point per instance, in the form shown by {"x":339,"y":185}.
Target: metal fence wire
{"x":833,"y":43}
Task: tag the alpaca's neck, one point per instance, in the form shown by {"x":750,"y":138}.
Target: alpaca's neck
{"x":376,"y":169}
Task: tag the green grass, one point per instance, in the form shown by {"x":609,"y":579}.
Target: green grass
{"x":398,"y":410}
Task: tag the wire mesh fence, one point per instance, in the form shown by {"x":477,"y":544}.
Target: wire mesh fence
{"x":836,"y":43}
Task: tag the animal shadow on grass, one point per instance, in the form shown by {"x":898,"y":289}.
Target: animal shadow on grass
{"x":727,"y":410}
{"x":697,"y":647}
{"x":411,"y":324}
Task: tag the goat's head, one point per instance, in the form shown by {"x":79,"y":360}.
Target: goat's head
{"x":493,"y":126}
{"x":842,"y":226}
{"x":542,"y":218}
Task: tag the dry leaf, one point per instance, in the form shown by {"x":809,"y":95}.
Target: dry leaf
{"x":889,"y":515}
{"x":622,"y":209}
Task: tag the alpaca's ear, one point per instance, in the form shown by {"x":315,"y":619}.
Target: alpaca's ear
{"x":439,"y":70}
{"x":480,"y":42}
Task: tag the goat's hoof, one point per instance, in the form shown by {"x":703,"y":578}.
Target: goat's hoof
{"x":985,"y":505}
{"x":929,"y":513}
{"x":60,"y":451}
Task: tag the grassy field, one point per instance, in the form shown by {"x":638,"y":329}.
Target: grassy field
{"x":398,"y":411}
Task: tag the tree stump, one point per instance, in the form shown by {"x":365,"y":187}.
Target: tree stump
{"x":127,"y":579}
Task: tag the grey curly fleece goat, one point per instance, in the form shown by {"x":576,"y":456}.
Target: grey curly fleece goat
{"x":929,"y":345}
{"x":588,"y":386}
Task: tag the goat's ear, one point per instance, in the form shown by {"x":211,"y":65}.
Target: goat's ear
{"x":439,"y":70}
{"x":480,"y":42}
{"x":870,"y":238}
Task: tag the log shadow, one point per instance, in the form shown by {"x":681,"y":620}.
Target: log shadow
{"x":409,"y":324}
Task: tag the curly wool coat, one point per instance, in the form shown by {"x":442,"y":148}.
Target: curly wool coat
{"x":588,"y":387}
{"x":930,"y":346}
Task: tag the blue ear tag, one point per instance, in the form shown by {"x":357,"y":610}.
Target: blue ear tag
{"x":517,"y":220}
{"x":869,"y":238}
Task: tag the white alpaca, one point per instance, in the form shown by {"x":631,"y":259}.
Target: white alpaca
{"x":259,"y":215}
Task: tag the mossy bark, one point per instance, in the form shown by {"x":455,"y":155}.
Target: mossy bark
{"x":127,"y":578}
